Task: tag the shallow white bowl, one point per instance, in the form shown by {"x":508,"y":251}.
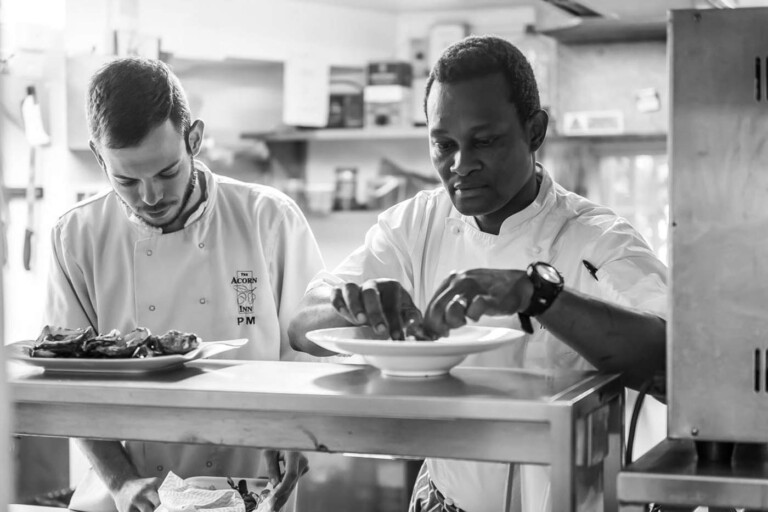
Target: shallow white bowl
{"x":413,"y":358}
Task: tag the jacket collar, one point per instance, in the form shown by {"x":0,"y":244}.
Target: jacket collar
{"x":543,"y":202}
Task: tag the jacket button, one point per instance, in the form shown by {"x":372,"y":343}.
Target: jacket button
{"x":202,"y":301}
{"x":201,"y":245}
{"x":151,"y":308}
{"x":149,"y":253}
{"x":209,"y":464}
{"x":159,"y":468}
{"x":456,"y":230}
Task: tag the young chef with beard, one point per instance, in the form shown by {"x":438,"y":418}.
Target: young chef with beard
{"x":579,"y":279}
{"x":174,"y":246}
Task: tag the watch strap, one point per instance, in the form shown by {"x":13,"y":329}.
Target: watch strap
{"x":544,"y":293}
{"x":525,"y":323}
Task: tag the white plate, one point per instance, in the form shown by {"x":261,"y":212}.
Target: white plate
{"x":413,"y":358}
{"x":19,"y":351}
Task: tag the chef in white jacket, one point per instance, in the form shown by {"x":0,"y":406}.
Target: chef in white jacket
{"x":500,"y":243}
{"x":173,"y":246}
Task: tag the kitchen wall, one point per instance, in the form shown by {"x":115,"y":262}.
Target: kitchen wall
{"x":40,"y":61}
{"x":323,"y":157}
{"x":264,"y":29}
{"x":573,"y":78}
{"x":614,"y":76}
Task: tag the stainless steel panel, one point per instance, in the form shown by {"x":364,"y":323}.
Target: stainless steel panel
{"x":719,"y":189}
{"x":671,"y":474}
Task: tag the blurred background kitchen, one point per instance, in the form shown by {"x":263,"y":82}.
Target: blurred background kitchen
{"x":323,"y":100}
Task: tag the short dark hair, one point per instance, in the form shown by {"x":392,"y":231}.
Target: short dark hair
{"x":480,"y":56}
{"x":129,"y":97}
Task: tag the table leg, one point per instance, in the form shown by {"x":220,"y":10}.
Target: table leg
{"x":512,"y":496}
{"x":563,"y":463}
{"x":612,"y":462}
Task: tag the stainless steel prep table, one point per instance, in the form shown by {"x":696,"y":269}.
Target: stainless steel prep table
{"x":566,"y":420}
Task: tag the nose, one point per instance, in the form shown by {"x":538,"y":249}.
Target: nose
{"x":463,"y":162}
{"x":150,"y":192}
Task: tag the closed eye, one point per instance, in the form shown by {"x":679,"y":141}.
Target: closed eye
{"x":170,"y":173}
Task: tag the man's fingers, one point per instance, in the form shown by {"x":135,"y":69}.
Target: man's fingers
{"x":340,"y":305}
{"x":446,"y":283}
{"x":271,"y":457}
{"x":408,"y":310}
{"x":412,"y":321}
{"x":352,"y":298}
{"x":392,"y":297}
{"x":150,"y":503}
{"x":147,"y":501}
{"x":446,"y":310}
{"x":296,"y":465}
{"x":479,"y":306}
{"x":142,"y":506}
{"x":439,"y":319}
{"x":455,"y":311}
{"x":154,"y":498}
{"x":372,"y":302}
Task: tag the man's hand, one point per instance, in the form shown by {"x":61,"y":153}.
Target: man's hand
{"x":474,"y":293}
{"x":381,"y":303}
{"x":137,"y":495}
{"x":285,"y":480}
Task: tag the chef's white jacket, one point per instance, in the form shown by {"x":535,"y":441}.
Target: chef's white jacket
{"x":420,"y":241}
{"x":237,"y":269}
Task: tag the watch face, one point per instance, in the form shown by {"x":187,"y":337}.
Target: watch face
{"x":548,"y":273}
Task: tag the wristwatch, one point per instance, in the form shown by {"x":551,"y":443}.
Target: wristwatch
{"x":547,"y":284}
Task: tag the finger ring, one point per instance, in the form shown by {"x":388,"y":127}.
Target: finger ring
{"x":461,"y":299}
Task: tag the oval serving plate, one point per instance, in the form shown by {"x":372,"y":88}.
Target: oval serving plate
{"x":19,"y":351}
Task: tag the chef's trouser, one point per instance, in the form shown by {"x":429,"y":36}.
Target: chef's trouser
{"x":426,"y":497}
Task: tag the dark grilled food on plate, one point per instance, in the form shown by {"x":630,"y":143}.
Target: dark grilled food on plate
{"x":114,"y":344}
{"x":85,"y":343}
{"x":175,"y":342}
{"x":61,"y":342}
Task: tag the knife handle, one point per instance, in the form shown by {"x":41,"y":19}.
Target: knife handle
{"x":27,"y":248}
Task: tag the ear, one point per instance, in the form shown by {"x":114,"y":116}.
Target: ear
{"x":195,"y":137}
{"x":537,"y":129}
{"x":96,"y":154}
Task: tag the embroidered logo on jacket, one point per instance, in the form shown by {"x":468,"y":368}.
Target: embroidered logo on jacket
{"x":245,"y":289}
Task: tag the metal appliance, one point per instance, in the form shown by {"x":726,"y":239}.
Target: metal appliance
{"x":718,"y":355}
{"x":718,"y":329}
